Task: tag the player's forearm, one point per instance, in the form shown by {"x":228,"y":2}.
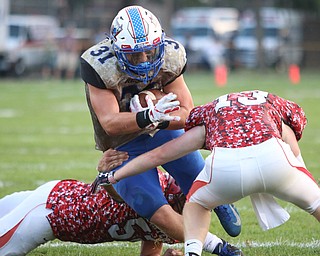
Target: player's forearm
{"x":165,"y":153}
{"x":183,"y":114}
{"x":120,"y":123}
{"x":289,"y":137}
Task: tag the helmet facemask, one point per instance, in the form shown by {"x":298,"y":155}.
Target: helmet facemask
{"x":142,"y":63}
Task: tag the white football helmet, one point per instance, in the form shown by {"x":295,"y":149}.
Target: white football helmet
{"x":138,"y":42}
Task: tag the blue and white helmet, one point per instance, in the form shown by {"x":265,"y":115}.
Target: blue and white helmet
{"x":138,"y":42}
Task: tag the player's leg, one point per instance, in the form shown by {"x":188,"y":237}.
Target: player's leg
{"x":144,"y":194}
{"x":28,"y":234}
{"x":169,"y":222}
{"x":211,"y":243}
{"x":16,"y":236}
{"x":316,"y":213}
{"x":208,"y":191}
{"x":188,"y":168}
{"x":9,"y":202}
{"x":196,"y":225}
{"x":301,"y":190}
{"x":287,"y":178}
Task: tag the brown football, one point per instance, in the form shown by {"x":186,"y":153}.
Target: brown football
{"x":154,"y":94}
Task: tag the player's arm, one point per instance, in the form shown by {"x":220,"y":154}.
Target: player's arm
{"x":190,"y":141}
{"x":105,"y":106}
{"x":179,"y":87}
{"x":289,"y":137}
{"x":291,"y":114}
{"x":149,"y":248}
{"x":114,"y":122}
{"x":110,"y":159}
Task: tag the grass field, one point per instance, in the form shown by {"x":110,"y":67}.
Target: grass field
{"x":46,"y":134}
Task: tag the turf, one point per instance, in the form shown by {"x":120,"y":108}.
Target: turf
{"x":46,"y":133}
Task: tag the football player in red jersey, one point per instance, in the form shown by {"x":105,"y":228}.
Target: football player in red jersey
{"x":68,"y":211}
{"x":246,"y":133}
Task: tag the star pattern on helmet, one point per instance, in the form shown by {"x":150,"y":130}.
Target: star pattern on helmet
{"x":138,"y":27}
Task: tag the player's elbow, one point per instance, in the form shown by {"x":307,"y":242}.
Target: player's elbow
{"x":110,"y":128}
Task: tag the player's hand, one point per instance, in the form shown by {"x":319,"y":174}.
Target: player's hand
{"x":111,"y":159}
{"x":135,"y":105}
{"x":161,"y":111}
{"x":173,"y":252}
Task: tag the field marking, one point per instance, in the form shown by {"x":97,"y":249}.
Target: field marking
{"x":312,"y":244}
{"x":8,"y":113}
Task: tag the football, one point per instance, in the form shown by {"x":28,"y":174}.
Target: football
{"x":154,"y":94}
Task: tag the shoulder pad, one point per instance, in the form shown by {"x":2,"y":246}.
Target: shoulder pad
{"x":102,"y":59}
{"x":175,"y":56}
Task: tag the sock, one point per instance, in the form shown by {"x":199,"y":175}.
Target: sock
{"x":193,"y":247}
{"x":211,"y":243}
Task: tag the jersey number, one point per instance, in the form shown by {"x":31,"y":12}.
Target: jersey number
{"x":128,"y":230}
{"x":102,"y":50}
{"x":256,"y":98}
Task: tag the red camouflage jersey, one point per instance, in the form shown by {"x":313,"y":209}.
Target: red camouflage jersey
{"x":246,"y":118}
{"x":82,"y":217}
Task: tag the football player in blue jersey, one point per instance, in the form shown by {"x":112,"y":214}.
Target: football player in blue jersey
{"x":137,"y":56}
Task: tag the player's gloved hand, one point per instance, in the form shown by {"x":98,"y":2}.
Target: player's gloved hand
{"x":160,"y":112}
{"x":103,"y":179}
{"x":135,"y":107}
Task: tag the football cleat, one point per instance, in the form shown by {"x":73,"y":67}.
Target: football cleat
{"x":229,"y":218}
{"x":229,"y":250}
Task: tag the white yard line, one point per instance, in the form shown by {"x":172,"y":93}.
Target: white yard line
{"x":311,"y":244}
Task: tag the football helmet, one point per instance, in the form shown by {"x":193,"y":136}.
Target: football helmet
{"x":138,"y":42}
{"x":172,"y":192}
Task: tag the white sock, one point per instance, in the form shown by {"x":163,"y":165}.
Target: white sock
{"x":193,"y":247}
{"x":211,"y":242}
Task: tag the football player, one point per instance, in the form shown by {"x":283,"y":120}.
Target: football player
{"x":68,"y":211}
{"x":137,"y":56}
{"x":245,"y":132}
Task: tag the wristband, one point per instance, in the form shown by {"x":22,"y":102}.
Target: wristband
{"x":163,"y":125}
{"x":111,"y":178}
{"x":143,"y":119}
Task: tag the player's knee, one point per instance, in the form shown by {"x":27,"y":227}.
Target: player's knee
{"x":165,"y":216}
{"x":315,"y":210}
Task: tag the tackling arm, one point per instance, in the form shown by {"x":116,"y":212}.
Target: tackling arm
{"x":174,"y":149}
{"x":289,"y":137}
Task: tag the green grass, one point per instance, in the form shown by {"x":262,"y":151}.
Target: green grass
{"x":46,"y":133}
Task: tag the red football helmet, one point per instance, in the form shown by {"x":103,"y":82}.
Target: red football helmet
{"x":172,"y":191}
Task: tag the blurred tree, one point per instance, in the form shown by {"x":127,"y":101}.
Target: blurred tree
{"x":307,"y":5}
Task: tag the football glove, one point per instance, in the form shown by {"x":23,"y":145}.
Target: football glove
{"x":135,"y":107}
{"x":103,"y":179}
{"x":161,"y":110}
